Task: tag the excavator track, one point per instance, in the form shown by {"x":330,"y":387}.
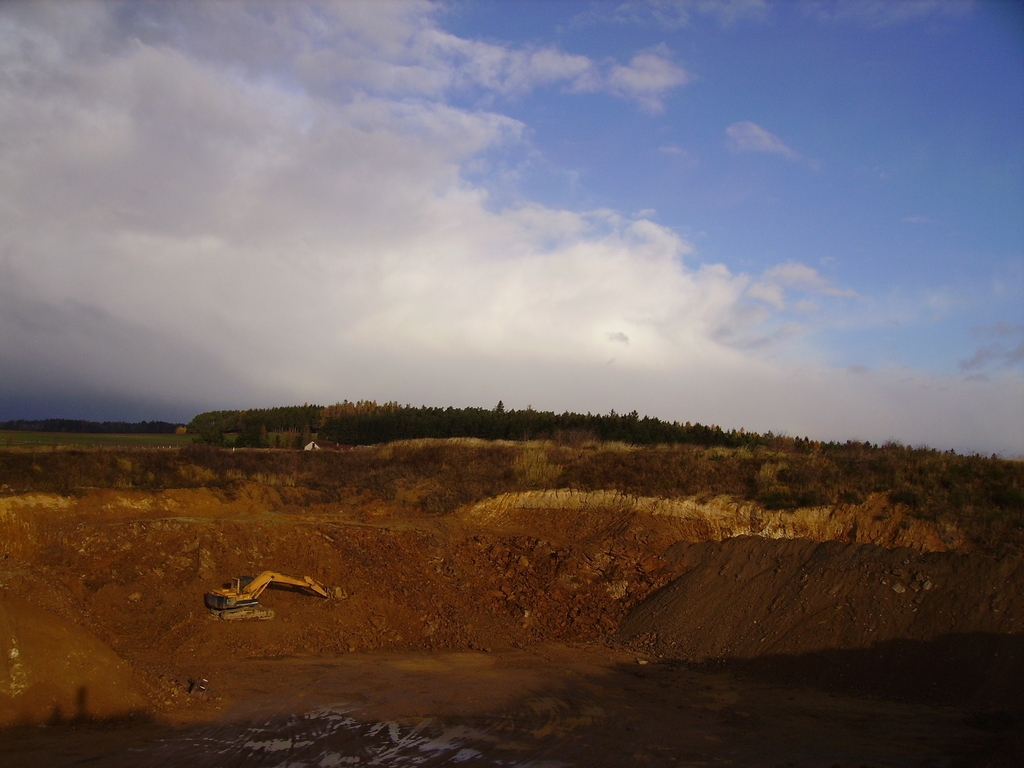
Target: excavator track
{"x":245,"y":613}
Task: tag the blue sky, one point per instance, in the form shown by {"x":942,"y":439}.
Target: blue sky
{"x":905,"y":178}
{"x":802,"y":217}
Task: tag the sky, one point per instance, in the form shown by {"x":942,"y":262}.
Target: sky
{"x":802,"y":217}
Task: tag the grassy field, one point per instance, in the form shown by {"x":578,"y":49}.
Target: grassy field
{"x":86,"y":440}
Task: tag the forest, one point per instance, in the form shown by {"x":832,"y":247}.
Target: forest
{"x":367,"y":423}
{"x":81,"y":426}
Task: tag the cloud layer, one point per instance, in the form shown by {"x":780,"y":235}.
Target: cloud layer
{"x":750,"y":137}
{"x":256,"y":205}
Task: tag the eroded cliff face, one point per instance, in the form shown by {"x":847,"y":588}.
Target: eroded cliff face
{"x":570,"y":514}
{"x":562,"y":514}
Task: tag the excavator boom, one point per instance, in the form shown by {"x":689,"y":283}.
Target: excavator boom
{"x":255,"y":587}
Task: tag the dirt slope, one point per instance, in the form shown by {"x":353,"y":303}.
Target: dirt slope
{"x":944,"y":625}
{"x":52,"y":670}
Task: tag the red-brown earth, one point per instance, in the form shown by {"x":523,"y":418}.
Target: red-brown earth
{"x":534,"y":628}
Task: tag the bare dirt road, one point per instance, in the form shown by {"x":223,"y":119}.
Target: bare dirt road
{"x":550,"y":705}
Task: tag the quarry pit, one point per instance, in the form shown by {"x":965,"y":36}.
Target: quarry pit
{"x":536,"y":626}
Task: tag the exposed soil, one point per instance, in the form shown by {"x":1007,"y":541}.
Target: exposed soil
{"x":549,"y":705}
{"x":938,"y":627}
{"x":509,"y":632}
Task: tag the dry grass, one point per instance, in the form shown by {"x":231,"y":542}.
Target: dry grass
{"x":981,"y":496}
{"x":533,"y":468}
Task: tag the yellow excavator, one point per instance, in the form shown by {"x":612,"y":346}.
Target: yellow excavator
{"x":240,"y":600}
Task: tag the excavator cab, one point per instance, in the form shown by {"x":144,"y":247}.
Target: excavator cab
{"x":225,"y":603}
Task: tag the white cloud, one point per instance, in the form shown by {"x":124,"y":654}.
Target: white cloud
{"x":772,"y":285}
{"x":885,"y":13}
{"x":647,"y":78}
{"x":750,"y":137}
{"x":1006,"y":349}
{"x":675,"y":14}
{"x":336,"y":50}
{"x":248,"y":219}
{"x":728,"y":12}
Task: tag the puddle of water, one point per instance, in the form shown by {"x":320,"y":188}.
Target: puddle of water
{"x":331,"y":738}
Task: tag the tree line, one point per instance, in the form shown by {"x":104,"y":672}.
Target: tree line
{"x":81,"y":426}
{"x":367,"y":423}
{"x":253,"y":428}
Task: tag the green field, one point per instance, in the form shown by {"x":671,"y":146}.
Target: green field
{"x":91,"y":440}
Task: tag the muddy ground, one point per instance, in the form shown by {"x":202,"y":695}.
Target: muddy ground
{"x":542,"y":628}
